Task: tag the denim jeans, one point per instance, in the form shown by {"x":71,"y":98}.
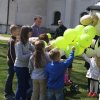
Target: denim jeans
{"x":22,"y":74}
{"x":55,"y":94}
{"x":8,"y":86}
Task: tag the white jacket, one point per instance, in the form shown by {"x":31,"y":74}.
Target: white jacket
{"x":94,"y":70}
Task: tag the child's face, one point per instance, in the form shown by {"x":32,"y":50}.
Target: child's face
{"x":16,"y":32}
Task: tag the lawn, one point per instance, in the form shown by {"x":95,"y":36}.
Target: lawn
{"x":78,"y":76}
{"x":5,"y":35}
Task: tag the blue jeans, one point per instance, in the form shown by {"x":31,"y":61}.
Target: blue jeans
{"x":55,"y":94}
{"x":8,"y":86}
{"x":23,"y":76}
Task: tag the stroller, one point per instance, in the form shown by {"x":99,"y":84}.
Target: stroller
{"x":74,"y":88}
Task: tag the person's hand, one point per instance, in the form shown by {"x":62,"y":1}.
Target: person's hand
{"x":73,"y":48}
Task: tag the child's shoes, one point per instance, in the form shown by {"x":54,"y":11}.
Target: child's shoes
{"x":90,"y":94}
{"x":94,"y":94}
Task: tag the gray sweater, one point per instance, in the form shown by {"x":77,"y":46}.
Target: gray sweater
{"x":23,"y":53}
{"x":38,"y":73}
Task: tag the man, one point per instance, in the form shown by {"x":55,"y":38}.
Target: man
{"x":60,"y":30}
{"x":36,"y":27}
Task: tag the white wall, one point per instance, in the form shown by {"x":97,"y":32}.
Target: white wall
{"x":3,"y":11}
{"x":79,"y":6}
{"x":12,"y":12}
{"x":52,"y":6}
{"x":27,"y":9}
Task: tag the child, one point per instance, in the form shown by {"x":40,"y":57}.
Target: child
{"x":23,"y":50}
{"x":55,"y":74}
{"x":45,"y":38}
{"x":93,"y":74}
{"x":15,"y":30}
{"x":37,"y":62}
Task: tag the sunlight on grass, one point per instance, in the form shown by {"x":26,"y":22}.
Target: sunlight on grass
{"x":5,"y":35}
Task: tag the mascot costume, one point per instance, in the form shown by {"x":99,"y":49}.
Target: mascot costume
{"x":93,"y":19}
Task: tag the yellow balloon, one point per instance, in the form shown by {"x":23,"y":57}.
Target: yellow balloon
{"x":85,"y":40}
{"x":78,"y":49}
{"x":90,"y":30}
{"x":70,"y":35}
{"x":78,"y":29}
{"x":49,"y":35}
{"x":60,"y":42}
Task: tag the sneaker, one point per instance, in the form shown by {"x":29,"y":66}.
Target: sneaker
{"x":90,"y":94}
{"x":94,"y":95}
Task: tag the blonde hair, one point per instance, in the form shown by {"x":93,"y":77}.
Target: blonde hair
{"x":13,"y":28}
{"x":54,"y":54}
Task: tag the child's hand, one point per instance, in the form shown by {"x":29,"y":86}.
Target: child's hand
{"x":73,"y":48}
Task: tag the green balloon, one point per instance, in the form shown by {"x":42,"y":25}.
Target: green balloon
{"x":70,"y":35}
{"x":60,"y":42}
{"x":90,"y":30}
{"x":78,"y":49}
{"x":45,"y":43}
{"x":79,"y":28}
{"x":53,"y":43}
{"x":85,"y":40}
{"x":49,"y":35}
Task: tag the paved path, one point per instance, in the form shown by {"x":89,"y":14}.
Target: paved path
{"x":4,"y":38}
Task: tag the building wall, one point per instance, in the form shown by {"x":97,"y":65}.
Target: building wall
{"x":78,"y":7}
{"x":22,"y":12}
{"x":52,"y":6}
{"x":27,"y":9}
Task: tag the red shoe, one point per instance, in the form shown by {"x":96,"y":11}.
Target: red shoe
{"x":90,"y":94}
{"x":94,"y":95}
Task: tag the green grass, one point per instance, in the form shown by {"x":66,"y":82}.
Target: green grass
{"x":78,"y":76}
{"x":5,"y":35}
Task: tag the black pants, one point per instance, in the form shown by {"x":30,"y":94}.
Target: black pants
{"x":9,"y":82}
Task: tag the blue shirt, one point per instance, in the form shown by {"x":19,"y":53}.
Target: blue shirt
{"x":37,"y":30}
{"x":55,"y":72}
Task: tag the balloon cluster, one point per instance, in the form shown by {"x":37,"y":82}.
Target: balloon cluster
{"x":80,"y":37}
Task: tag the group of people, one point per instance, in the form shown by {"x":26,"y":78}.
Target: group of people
{"x":41,"y":64}
{"x":36,"y":62}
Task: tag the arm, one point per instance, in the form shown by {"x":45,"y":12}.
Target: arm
{"x":19,"y":53}
{"x":86,"y":58}
{"x":12,"y":50}
{"x":31,"y":47}
{"x":68,"y":61}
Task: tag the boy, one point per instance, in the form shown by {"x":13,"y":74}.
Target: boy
{"x":15,"y":30}
{"x":55,"y":74}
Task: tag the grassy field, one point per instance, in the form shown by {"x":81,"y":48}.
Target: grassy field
{"x":5,"y":35}
{"x":78,"y":76}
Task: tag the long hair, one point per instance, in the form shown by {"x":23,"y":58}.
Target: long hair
{"x":39,"y":55}
{"x":24,"y":34}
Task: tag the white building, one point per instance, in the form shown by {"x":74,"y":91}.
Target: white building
{"x":22,"y":12}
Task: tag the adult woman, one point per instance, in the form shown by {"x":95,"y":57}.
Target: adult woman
{"x":23,"y":50}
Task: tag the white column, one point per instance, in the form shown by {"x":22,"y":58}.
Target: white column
{"x":68,"y":12}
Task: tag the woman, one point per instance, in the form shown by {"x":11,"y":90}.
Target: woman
{"x":23,"y":50}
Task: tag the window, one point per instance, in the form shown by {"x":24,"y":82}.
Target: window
{"x":57,"y":16}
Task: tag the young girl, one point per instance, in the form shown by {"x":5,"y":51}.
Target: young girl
{"x":23,"y":50}
{"x":38,"y":61}
{"x":93,"y":73}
